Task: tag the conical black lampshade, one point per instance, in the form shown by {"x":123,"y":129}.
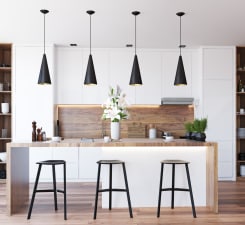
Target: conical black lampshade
{"x":180,"y":78}
{"x":90,"y":78}
{"x":135,"y":78}
{"x":44,"y":77}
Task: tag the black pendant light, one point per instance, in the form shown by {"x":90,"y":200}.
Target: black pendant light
{"x":180,"y":78}
{"x":44,"y":77}
{"x":135,"y":78}
{"x":90,"y":77}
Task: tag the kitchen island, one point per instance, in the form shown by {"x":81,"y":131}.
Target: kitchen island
{"x":142,"y":157}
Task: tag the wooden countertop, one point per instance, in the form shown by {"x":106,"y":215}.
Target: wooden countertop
{"x":126,"y":142}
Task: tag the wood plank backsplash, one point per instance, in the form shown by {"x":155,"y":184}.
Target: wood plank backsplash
{"x":78,"y":121}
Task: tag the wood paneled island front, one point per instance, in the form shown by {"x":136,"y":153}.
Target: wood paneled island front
{"x":142,"y":157}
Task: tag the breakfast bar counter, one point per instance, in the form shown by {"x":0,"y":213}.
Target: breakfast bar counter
{"x":142,"y":157}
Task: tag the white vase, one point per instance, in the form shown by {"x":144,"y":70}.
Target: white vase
{"x":115,"y":130}
{"x":5,"y":108}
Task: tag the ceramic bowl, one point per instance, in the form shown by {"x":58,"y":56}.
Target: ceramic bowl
{"x":56,"y":139}
{"x":169,"y":138}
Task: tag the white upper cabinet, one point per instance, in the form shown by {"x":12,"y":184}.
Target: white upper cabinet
{"x":120,"y":64}
{"x":31,"y":101}
{"x":151,"y":70}
{"x":96,"y":94}
{"x":113,"y":67}
{"x":69,"y":75}
{"x":169,"y":62}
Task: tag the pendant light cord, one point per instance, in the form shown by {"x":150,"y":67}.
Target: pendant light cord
{"x":44,"y":34}
{"x":180,"y":36}
{"x":135,"y":35}
{"x":90,"y":34}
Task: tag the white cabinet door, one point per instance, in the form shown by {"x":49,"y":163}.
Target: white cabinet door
{"x":87,"y":163}
{"x":36,"y":155}
{"x":218,"y":107}
{"x":96,"y":94}
{"x":169,"y":62}
{"x":121,"y":63}
{"x":70,"y":155}
{"x":69,"y":75}
{"x":31,"y":101}
{"x":151,"y":70}
{"x":218,"y":63}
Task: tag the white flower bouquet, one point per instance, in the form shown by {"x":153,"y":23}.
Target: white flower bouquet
{"x":115,"y":107}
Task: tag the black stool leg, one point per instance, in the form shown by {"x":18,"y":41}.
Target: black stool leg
{"x":65,"y":209}
{"x":110,"y":186}
{"x":127,"y":190}
{"x":55,"y":189}
{"x":97,"y":191}
{"x":34,"y":191}
{"x":190,"y":188}
{"x":173,"y":180}
{"x":160,"y":191}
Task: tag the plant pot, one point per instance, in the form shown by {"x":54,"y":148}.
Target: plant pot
{"x":200,"y":136}
{"x":193,"y":136}
{"x":188,"y":135}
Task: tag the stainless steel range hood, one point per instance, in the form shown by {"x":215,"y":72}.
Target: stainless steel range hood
{"x":177,"y":101}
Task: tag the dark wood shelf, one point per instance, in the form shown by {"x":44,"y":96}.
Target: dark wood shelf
{"x":5,"y":92}
{"x":5,"y":114}
{"x":5,"y":139}
{"x":8,"y":69}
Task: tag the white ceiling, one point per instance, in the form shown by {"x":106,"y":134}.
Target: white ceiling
{"x":207,"y":22}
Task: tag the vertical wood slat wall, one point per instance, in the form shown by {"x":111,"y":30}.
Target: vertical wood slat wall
{"x":84,"y":121}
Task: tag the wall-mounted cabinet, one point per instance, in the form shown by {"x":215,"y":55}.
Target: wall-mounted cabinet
{"x":5,"y":97}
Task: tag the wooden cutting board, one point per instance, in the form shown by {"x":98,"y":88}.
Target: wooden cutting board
{"x":136,"y":130}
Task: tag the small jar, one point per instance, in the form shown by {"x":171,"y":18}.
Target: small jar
{"x":44,"y":136}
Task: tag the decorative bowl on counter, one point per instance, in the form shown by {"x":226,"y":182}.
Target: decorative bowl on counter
{"x":169,"y":138}
{"x":56,"y":139}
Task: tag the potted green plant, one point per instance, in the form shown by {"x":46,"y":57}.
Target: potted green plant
{"x":199,"y":127}
{"x":188,"y":129}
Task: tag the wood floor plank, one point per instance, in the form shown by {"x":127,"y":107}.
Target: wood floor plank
{"x":81,"y":204}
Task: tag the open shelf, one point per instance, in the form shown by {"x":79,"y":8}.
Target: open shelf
{"x":5,"y":97}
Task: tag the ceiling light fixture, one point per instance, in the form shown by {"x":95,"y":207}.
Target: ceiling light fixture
{"x":135,"y":78}
{"x":44,"y":76}
{"x":90,"y":77}
{"x":180,"y":78}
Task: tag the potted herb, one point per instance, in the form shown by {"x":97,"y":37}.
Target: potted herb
{"x":199,"y":127}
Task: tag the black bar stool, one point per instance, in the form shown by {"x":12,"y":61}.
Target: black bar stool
{"x":52,"y":163}
{"x":173,"y":188}
{"x":110,"y":189}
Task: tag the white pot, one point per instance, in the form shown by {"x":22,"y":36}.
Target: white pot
{"x":115,"y":130}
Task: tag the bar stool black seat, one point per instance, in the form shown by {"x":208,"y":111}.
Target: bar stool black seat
{"x":173,"y":188}
{"x":52,"y":163}
{"x":110,"y":189}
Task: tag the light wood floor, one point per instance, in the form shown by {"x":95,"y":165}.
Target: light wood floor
{"x":81,"y":202}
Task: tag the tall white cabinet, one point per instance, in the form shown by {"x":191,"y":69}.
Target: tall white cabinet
{"x":218,"y":66}
{"x":31,"y":101}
